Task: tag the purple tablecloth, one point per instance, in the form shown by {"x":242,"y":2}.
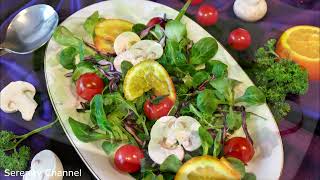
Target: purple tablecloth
{"x":300,"y":133}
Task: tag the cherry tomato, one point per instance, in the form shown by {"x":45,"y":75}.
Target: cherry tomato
{"x":239,"y":39}
{"x":156,"y":20}
{"x":195,"y":2}
{"x":157,"y":110}
{"x":88,"y":85}
{"x":207,"y":15}
{"x":240,"y":148}
{"x":127,"y":158}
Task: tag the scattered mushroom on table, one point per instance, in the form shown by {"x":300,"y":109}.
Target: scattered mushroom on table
{"x":18,"y":96}
{"x":250,"y":10}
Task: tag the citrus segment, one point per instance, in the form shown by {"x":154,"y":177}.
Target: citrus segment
{"x":302,"y":45}
{"x":145,"y":76}
{"x":207,"y":168}
{"x":107,"y":31}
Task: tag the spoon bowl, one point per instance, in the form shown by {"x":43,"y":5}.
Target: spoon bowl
{"x":30,"y":29}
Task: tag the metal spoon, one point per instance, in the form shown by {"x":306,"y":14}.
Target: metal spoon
{"x":30,"y":29}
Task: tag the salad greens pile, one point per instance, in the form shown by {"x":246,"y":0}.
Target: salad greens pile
{"x":203,"y":91}
{"x":13,"y":157}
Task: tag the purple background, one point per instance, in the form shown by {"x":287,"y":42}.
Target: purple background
{"x":300,"y":133}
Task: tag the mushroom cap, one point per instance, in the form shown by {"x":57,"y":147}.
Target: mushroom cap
{"x":43,"y":162}
{"x":186,"y":130}
{"x":158,"y":154}
{"x":124,"y":41}
{"x":125,"y":56}
{"x":14,"y":89}
{"x":250,"y":10}
{"x":147,"y":49}
{"x":169,"y":133}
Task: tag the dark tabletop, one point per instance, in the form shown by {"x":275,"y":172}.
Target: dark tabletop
{"x":300,"y":130}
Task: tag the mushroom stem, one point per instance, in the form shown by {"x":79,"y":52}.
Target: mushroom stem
{"x":26,"y":105}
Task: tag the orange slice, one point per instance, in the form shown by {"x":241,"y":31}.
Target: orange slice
{"x":302,"y":45}
{"x":106,"y":32}
{"x":207,"y":168}
{"x":145,"y":76}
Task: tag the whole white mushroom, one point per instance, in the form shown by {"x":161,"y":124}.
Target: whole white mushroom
{"x":250,"y":10}
{"x":45,"y":166}
{"x":18,"y":96}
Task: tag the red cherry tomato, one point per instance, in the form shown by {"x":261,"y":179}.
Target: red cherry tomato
{"x":195,"y":2}
{"x":156,"y":20}
{"x":240,"y":148}
{"x":127,"y":158}
{"x":239,"y":39}
{"x":156,"y":111}
{"x":88,"y":85}
{"x":207,"y":15}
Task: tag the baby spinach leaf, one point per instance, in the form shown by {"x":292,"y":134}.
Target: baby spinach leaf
{"x":199,"y":78}
{"x":139,"y":102}
{"x":82,"y":68}
{"x":249,"y":176}
{"x":195,"y":111}
{"x":158,"y":32}
{"x":207,"y":102}
{"x":120,"y":101}
{"x":125,"y":66}
{"x":233,"y":119}
{"x":67,"y":57}
{"x":109,"y":148}
{"x":91,"y":22}
{"x":97,"y":114}
{"x":151,"y":176}
{"x":206,"y":140}
{"x":225,"y":86}
{"x":83,"y":132}
{"x":188,"y":81}
{"x":238,"y":165}
{"x":138,"y":28}
{"x":217,"y":68}
{"x":171,"y":164}
{"x":65,"y":37}
{"x":217,"y":146}
{"x":173,"y":53}
{"x":175,"y":30}
{"x":203,"y":50}
{"x":253,"y":96}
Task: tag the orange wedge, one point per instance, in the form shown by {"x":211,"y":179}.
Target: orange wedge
{"x":207,"y":168}
{"x":302,"y":45}
{"x":145,"y":76}
{"x":106,"y":32}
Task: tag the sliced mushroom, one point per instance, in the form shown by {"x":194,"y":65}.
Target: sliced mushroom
{"x":124,"y":41}
{"x":18,"y":96}
{"x":126,"y":56}
{"x":163,"y":142}
{"x":45,"y":166}
{"x":169,"y":134}
{"x":147,"y":49}
{"x":186,"y":132}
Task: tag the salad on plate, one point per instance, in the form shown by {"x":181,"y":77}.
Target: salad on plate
{"x":159,"y":102}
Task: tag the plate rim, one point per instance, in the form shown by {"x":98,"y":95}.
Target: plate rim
{"x":63,"y":125}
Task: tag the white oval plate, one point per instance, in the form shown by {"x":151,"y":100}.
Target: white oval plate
{"x":268,"y":160}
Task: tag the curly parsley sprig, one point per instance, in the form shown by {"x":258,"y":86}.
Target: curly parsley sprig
{"x":277,"y":78}
{"x":12,"y":157}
